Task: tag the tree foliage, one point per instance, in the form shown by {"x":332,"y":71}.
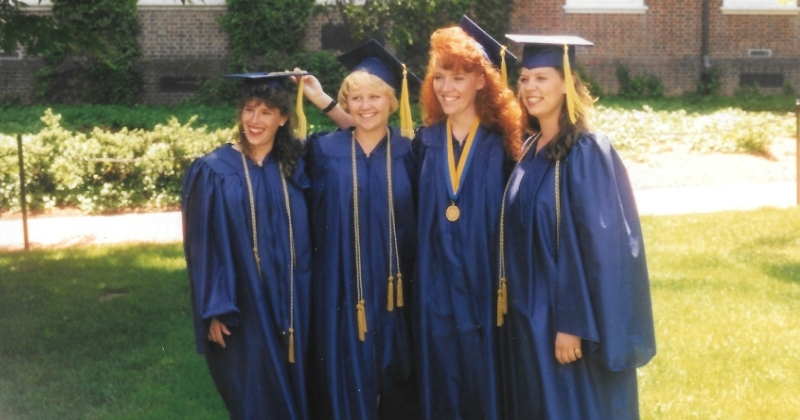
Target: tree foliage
{"x":96,"y":59}
{"x":19,"y":29}
{"x":264,"y":31}
{"x":408,"y":24}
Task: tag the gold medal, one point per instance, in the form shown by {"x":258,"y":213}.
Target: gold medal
{"x":452,"y":213}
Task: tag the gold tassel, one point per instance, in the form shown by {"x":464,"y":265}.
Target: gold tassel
{"x":503,"y":69}
{"x":301,"y":116}
{"x":399,"y":290}
{"x":390,"y":298}
{"x":500,"y":307}
{"x":362,"y":321}
{"x":406,"y":121}
{"x":291,"y":345}
{"x":574,"y":106}
{"x":505,"y":295}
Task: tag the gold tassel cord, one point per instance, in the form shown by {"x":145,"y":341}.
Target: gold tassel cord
{"x":390,"y":298}
{"x":301,"y":115}
{"x":500,"y":307}
{"x":503,"y":68}
{"x":399,"y":290}
{"x":291,"y":345}
{"x":362,"y":321}
{"x":406,"y":121}
{"x":504,"y":289}
{"x":575,"y":107}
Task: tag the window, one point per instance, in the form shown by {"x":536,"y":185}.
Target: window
{"x":605,"y":6}
{"x":759,"y":7}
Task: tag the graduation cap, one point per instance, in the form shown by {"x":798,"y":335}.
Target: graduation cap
{"x":276,"y":80}
{"x":373,"y":58}
{"x":494,"y":51}
{"x":556,"y":51}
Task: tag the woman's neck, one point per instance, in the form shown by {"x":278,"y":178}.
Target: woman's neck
{"x":462,"y":123}
{"x":368,"y":140}
{"x":256,"y":154}
{"x":549,"y":129}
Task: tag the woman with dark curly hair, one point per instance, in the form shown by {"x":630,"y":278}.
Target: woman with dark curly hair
{"x":575,"y":317}
{"x":472,"y":127}
{"x":248,"y":254}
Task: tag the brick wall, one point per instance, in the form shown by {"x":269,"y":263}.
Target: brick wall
{"x":666,"y":41}
{"x":180,"y":47}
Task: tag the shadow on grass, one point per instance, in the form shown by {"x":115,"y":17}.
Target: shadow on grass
{"x":100,"y":332}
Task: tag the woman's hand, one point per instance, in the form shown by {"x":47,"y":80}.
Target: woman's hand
{"x":217,"y":332}
{"x":568,"y":348}
{"x":312,"y":90}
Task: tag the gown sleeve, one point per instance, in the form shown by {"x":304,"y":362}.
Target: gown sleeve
{"x":209,"y":262}
{"x":602,"y":266}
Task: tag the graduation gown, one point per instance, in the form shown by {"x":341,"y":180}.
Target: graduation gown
{"x":252,"y":373}
{"x":456,"y":266}
{"x":592,"y":284}
{"x":349,"y":374}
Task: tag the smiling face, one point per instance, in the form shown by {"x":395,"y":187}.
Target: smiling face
{"x":456,"y":90}
{"x":260,"y":123}
{"x":541,"y":92}
{"x":369,"y":107}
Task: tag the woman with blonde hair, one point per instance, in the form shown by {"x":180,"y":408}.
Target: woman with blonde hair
{"x":575,"y":319}
{"x":364,"y":235}
{"x":472,"y":128}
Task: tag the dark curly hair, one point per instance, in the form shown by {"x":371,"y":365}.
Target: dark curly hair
{"x":568,"y":132}
{"x":286,"y":148}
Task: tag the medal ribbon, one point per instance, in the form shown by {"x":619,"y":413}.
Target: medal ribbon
{"x":457,"y":174}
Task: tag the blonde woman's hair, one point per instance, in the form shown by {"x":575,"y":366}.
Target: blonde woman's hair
{"x":362,"y":79}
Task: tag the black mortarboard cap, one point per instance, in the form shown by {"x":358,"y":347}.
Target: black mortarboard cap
{"x":548,"y":50}
{"x":275,"y":80}
{"x":373,"y":58}
{"x":494,"y":50}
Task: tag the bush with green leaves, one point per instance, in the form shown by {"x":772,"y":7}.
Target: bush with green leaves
{"x":103,"y":171}
{"x":645,"y":86}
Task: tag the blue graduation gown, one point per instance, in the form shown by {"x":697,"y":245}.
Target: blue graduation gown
{"x":455,"y":276}
{"x":349,"y":374}
{"x":594,"y":285}
{"x":252,"y":373}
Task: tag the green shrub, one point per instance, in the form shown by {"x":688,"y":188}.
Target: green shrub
{"x":640,"y":87}
{"x":710,"y":83}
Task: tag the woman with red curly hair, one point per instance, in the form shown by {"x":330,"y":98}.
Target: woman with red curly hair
{"x":472,"y":128}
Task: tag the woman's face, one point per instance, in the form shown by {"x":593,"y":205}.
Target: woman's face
{"x":456,"y":90}
{"x":260,"y":123}
{"x":541,"y":91}
{"x":369,"y":108}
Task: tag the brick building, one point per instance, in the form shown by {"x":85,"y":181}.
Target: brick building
{"x":674,"y":40}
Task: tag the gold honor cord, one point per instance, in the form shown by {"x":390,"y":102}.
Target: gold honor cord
{"x":292,"y":257}
{"x":393,"y":248}
{"x":291,"y":247}
{"x":390,"y":301}
{"x":454,"y":172}
{"x":252,"y":214}
{"x":502,"y":288}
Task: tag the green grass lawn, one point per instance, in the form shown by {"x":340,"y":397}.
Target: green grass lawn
{"x":726,"y":292}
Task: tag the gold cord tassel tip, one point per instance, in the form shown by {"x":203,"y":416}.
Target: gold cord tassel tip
{"x":362,"y":321}
{"x":390,"y":298}
{"x":291,"y":345}
{"x":399,"y":290}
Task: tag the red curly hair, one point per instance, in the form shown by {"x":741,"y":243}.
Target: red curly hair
{"x":495,"y":104}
